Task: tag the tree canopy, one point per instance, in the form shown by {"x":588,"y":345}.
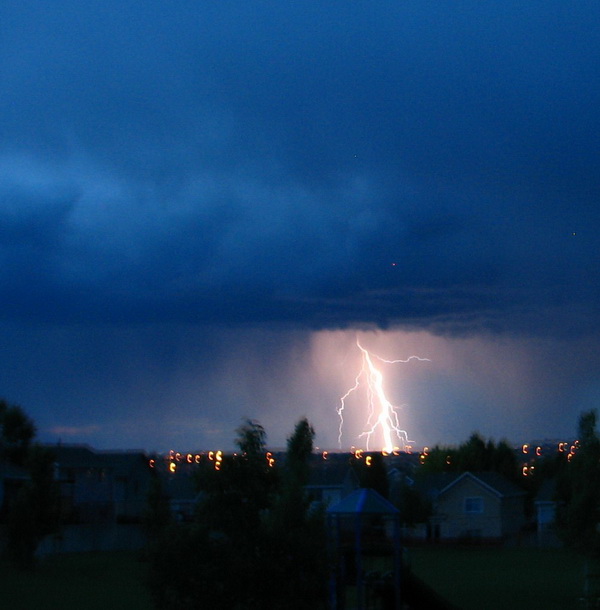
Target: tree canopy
{"x":34,"y":510}
{"x":475,"y":455}
{"x":578,"y":490}
{"x":255,"y":542}
{"x":17,"y":432}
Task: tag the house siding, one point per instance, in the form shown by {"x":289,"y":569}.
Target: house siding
{"x":456,"y":523}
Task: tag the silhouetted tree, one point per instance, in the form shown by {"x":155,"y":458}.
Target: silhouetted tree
{"x":475,"y":455}
{"x":504,"y":461}
{"x":17,"y":433}
{"x":36,"y":511}
{"x":293,"y":539}
{"x":439,"y":459}
{"x":157,"y":515}
{"x":299,"y":450}
{"x":579,"y":490}
{"x":236,"y":494}
{"x":414,"y":507}
{"x":372,"y":473}
{"x":254,"y":543}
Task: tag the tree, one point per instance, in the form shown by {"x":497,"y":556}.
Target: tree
{"x":372,"y":473}
{"x":157,"y":515}
{"x":413,"y":507}
{"x":439,"y":459}
{"x":299,"y":450}
{"x":579,"y":490}
{"x":291,"y":502}
{"x":255,"y":543}
{"x":474,"y":455}
{"x":17,"y":433}
{"x":293,"y":540}
{"x":236,"y":494}
{"x":251,"y":440}
{"x":220,"y":555}
{"x":36,"y":511}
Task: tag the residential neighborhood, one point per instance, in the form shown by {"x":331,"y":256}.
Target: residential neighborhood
{"x":377,"y":509}
{"x":104,"y":488}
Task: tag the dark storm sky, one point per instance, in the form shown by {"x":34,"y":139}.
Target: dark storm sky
{"x":202,"y":203}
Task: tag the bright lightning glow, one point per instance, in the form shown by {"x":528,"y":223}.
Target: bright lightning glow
{"x":382,"y":414}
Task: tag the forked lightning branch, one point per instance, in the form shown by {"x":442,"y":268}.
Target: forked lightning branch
{"x":382,"y":415}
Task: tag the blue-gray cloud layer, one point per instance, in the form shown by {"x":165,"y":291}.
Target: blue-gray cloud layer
{"x":171,"y":169}
{"x":322,"y":164}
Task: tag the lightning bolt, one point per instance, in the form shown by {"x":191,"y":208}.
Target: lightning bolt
{"x":382,"y":413}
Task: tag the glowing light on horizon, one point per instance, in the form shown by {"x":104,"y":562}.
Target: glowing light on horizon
{"x":382,"y":414}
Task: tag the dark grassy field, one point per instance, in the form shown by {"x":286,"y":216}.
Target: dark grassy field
{"x":469,"y":578}
{"x":77,"y":581}
{"x":476,"y":578}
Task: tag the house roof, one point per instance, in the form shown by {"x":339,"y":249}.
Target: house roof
{"x":494,"y":482}
{"x":76,"y":456}
{"x":82,"y":456}
{"x":432,"y":484}
{"x":124,"y":462}
{"x":331,"y":473}
{"x":364,"y":501}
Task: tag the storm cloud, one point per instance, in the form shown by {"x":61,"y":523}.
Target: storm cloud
{"x":185,"y":184}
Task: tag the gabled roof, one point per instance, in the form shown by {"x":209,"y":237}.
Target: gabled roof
{"x":431,"y":485}
{"x":123,"y":463}
{"x":494,"y":482}
{"x":331,"y":474}
{"x":76,"y":456}
{"x":83,"y":456}
{"x":363,"y":501}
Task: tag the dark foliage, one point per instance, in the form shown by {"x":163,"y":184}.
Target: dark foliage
{"x":157,"y":515}
{"x":17,"y":433}
{"x":413,"y":506}
{"x":36,"y":510}
{"x":475,"y":455}
{"x":254,"y":543}
{"x":578,"y":491}
{"x":371,"y":472}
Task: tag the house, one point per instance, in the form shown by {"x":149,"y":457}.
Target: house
{"x":330,"y":479}
{"x":103,"y":496}
{"x":12,"y":478}
{"x":181,"y":488}
{"x":85,"y":488}
{"x":131,"y":477}
{"x":483,"y":506}
{"x":100,"y":486}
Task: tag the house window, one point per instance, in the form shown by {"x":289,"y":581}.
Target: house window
{"x":474,"y":506}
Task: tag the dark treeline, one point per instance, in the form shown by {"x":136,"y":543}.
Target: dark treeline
{"x":578,"y":489}
{"x":573,"y":477}
{"x":33,"y":511}
{"x":474,"y":455}
{"x":254,"y":541}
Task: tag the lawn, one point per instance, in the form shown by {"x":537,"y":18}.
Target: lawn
{"x":475,"y":578}
{"x":93,"y":581}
